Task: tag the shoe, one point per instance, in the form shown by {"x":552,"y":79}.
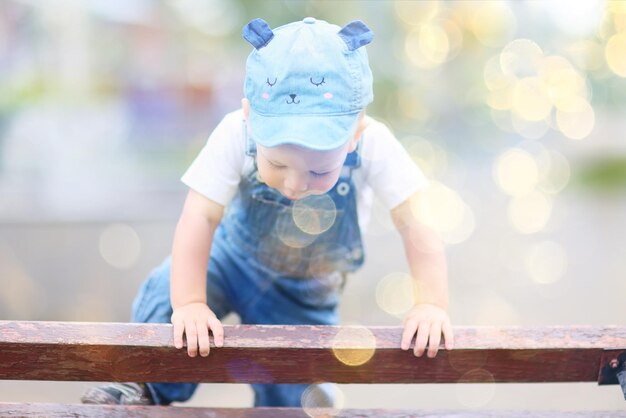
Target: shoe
{"x":118,"y":394}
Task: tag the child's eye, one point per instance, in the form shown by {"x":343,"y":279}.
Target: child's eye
{"x":317,"y":84}
{"x":275,"y":165}
{"x":271,"y":84}
{"x":314,"y":174}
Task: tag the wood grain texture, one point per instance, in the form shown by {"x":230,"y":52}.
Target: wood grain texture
{"x":301,"y":354}
{"x":105,"y":411}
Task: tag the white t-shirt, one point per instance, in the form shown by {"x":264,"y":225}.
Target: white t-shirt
{"x":387,"y":171}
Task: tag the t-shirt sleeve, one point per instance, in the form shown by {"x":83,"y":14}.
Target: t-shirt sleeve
{"x":389,"y":169}
{"x":216,"y":171}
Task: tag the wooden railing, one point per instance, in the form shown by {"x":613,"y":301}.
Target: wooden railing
{"x":65,"y":351}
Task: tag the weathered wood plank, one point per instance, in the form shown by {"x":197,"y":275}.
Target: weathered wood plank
{"x":106,"y":411}
{"x":310,"y":336}
{"x":301,"y":354}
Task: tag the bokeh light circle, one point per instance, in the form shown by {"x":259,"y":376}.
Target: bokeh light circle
{"x":430,"y":157}
{"x":615,"y":53}
{"x":530,"y":213}
{"x":395,"y":294}
{"x":462,"y":231}
{"x":576,"y":124}
{"x":531,"y":100}
{"x":314,"y":214}
{"x":119,"y":245}
{"x":322,"y":400}
{"x":521,"y":58}
{"x":354,"y":345}
{"x":554,"y":171}
{"x":289,"y":233}
{"x":439,"y":208}
{"x":546,"y":262}
{"x":427,"y":46}
{"x":516,"y":172}
{"x":565,"y":88}
{"x":493,"y":23}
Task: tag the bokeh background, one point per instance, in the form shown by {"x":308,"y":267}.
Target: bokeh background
{"x":515,"y":110}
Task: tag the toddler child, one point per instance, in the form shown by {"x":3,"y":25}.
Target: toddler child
{"x":277,"y":199}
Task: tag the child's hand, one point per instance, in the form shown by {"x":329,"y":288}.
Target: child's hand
{"x":195,"y":320}
{"x":430,"y":322}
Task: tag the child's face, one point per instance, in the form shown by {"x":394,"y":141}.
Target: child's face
{"x":297,"y":172}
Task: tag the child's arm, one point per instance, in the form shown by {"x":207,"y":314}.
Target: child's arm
{"x":190,"y":257}
{"x":425,"y":255}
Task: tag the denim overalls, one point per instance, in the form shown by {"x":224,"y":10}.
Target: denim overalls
{"x":273,"y":261}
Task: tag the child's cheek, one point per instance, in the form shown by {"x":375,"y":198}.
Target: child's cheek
{"x":324,"y":184}
{"x":264,"y":174}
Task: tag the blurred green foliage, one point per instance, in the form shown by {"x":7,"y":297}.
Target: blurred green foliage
{"x":606,"y":175}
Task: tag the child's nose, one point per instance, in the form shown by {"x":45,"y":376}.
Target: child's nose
{"x":296,"y":183}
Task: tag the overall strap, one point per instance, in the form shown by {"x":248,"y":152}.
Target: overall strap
{"x":353,"y":160}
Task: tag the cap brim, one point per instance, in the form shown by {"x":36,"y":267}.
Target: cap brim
{"x":320,"y":133}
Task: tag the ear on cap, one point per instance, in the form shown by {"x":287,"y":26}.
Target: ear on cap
{"x":356,"y":34}
{"x":258,"y":33}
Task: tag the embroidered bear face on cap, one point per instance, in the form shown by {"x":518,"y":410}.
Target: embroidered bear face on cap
{"x":307,"y":82}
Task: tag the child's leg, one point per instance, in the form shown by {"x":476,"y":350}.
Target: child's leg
{"x":291,"y":395}
{"x":290,"y":302}
{"x":152,"y":305}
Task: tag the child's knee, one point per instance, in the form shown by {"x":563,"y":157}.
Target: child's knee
{"x":152,"y":303}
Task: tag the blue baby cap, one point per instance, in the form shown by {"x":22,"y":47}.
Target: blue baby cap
{"x":307,"y":82}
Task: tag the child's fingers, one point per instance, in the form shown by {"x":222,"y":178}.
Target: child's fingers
{"x":448,"y":336}
{"x":410,"y":327}
{"x":192,"y":338}
{"x":179,"y":328}
{"x":218,"y":331}
{"x":423,"y":331}
{"x":434,"y":339}
{"x":203,"y":338}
